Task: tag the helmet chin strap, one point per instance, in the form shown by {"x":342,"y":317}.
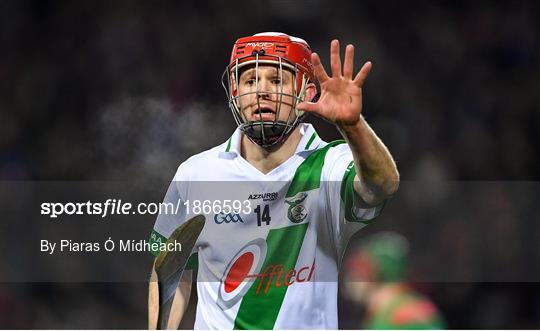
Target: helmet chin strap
{"x":268,"y":134}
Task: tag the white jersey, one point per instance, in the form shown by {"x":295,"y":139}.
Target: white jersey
{"x":273,"y":261}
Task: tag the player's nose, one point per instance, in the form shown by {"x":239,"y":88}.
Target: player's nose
{"x":265,"y":89}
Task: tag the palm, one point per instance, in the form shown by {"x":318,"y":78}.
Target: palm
{"x":340,"y":101}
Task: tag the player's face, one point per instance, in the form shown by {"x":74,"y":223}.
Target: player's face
{"x":274,"y":97}
{"x":358,"y":291}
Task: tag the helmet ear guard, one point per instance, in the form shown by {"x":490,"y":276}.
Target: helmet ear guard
{"x":284,"y":52}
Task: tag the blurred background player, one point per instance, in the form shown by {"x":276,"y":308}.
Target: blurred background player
{"x":375,"y":277}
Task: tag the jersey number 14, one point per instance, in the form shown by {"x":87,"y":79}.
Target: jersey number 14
{"x":265,"y":216}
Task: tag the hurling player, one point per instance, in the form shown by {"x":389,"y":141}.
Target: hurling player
{"x":375,"y":277}
{"x":274,"y":264}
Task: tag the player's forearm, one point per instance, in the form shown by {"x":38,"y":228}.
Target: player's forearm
{"x":377,"y":174}
{"x":181,"y":301}
{"x":153,"y":301}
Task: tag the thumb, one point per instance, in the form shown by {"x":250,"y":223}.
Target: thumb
{"x":308,"y":107}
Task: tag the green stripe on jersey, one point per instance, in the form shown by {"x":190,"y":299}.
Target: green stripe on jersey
{"x":350,"y":198}
{"x":260,"y":309}
{"x":228,"y":149}
{"x":310,"y":141}
{"x":308,"y":174}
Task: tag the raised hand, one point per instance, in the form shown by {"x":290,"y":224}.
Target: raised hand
{"x":340,"y":101}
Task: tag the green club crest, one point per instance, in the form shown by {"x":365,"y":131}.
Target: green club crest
{"x":297,"y":212}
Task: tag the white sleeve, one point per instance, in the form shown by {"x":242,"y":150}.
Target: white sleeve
{"x":169,"y":219}
{"x":345,"y":208}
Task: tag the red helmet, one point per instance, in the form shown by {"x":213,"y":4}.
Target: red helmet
{"x":284,"y":52}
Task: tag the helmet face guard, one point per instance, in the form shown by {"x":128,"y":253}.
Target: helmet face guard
{"x":284,"y":53}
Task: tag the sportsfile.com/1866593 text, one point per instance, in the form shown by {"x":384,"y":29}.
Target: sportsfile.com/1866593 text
{"x":108,"y":207}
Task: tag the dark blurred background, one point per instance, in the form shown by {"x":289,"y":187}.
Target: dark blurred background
{"x":126,"y":90}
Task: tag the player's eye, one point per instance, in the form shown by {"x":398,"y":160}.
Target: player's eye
{"x":276,"y":81}
{"x":250,"y":81}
